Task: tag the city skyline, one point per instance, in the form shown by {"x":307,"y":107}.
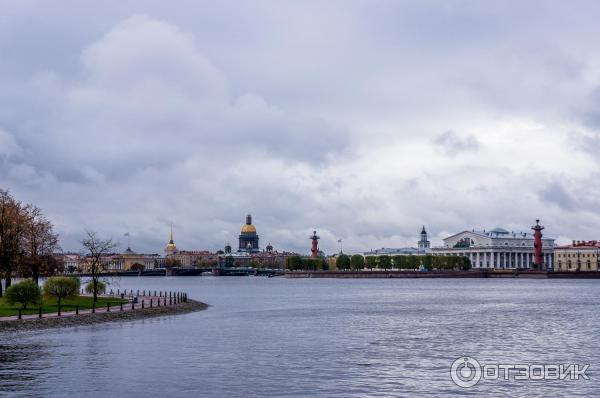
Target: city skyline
{"x":362,"y":122}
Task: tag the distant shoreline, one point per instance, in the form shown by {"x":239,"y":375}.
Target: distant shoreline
{"x":101,"y":317}
{"x":445,"y":274}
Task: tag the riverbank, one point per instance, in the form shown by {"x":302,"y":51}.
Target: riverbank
{"x":444,"y":274}
{"x":100,"y":317}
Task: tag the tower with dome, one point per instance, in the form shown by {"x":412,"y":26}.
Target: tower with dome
{"x":248,"y":238}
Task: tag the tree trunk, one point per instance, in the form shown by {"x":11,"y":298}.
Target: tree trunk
{"x":7,"y":281}
{"x":95,"y":290}
{"x":58,"y":305}
{"x":0,"y":287}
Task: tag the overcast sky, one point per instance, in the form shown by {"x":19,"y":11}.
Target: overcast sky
{"x":363,"y":120}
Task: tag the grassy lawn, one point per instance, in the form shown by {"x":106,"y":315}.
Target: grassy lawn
{"x":50,"y":305}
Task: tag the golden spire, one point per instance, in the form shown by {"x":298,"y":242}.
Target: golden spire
{"x":171,"y":240}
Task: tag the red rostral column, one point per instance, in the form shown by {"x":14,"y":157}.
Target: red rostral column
{"x":537,"y":244}
{"x":314,"y":251}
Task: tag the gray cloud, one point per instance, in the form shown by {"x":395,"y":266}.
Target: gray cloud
{"x":557,"y":194}
{"x":452,"y":144}
{"x":308,"y":115}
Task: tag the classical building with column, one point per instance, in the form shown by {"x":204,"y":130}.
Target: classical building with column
{"x":498,"y":249}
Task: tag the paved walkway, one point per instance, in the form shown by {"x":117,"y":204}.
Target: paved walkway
{"x":113,"y":308}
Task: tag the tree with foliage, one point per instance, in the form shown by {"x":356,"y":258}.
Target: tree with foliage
{"x":137,"y":267}
{"x":413,"y":262}
{"x":39,"y":244}
{"x":96,"y":249}
{"x":427,"y":262}
{"x":384,"y":262}
{"x":101,"y":286}
{"x":229,"y":262}
{"x":293,"y":263}
{"x":371,"y":262}
{"x":23,"y":292}
{"x":62,"y":287}
{"x":357,"y":262}
{"x":399,"y":262}
{"x":12,"y":227}
{"x":343,"y":262}
{"x":172,"y":263}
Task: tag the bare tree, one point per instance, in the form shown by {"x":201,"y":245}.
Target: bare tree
{"x":96,"y":249}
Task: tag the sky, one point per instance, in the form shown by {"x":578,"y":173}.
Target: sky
{"x":364,"y":120}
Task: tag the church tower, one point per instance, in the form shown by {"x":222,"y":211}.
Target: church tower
{"x":171,"y":249}
{"x":423,"y":244}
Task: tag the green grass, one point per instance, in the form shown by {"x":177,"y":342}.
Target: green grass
{"x":50,"y":305}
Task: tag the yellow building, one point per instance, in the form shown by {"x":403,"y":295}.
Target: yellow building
{"x":578,"y":256}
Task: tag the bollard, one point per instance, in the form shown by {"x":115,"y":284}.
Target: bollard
{"x":170,"y":300}
{"x":20,"y":314}
{"x":77,"y":309}
{"x":165,"y":302}
{"x":93,"y":307}
{"x":118,"y":293}
{"x":155,"y":292}
{"x":132,"y":305}
{"x":138,"y":292}
{"x":158,"y":303}
{"x":150,"y":303}
{"x":40,"y":313}
{"x":170,"y":294}
{"x":121,"y":306}
{"x":142,"y":304}
{"x":107,"y":307}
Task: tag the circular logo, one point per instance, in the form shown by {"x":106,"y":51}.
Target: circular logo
{"x":465,"y":372}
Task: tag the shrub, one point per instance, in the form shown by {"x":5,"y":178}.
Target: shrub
{"x":89,"y":288}
{"x":24,"y":292}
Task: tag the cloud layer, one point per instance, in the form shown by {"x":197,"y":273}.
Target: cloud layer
{"x":364,"y":123}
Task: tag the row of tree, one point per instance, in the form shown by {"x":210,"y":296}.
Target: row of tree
{"x":27,"y":241}
{"x":296,"y":263}
{"x":428,"y":261}
{"x":59,"y":287}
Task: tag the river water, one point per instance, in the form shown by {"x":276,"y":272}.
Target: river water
{"x":318,"y":337}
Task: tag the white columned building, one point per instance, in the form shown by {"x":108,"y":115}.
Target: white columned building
{"x":498,"y":249}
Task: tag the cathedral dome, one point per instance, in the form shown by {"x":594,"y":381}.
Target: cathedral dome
{"x":248,"y":229}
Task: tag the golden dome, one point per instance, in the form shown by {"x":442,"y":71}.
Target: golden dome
{"x":248,"y":229}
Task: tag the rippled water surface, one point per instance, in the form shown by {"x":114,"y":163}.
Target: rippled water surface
{"x":312,"y":337}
